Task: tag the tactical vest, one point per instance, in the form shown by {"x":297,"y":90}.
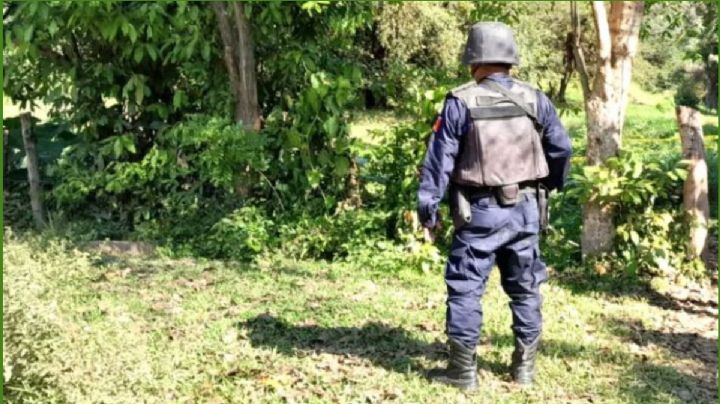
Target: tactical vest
{"x":502,"y":146}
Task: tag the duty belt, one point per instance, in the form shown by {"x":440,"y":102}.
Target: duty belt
{"x":475,"y":193}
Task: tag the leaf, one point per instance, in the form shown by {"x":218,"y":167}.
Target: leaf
{"x":53,"y":28}
{"x":341,"y":166}
{"x":129,"y":144}
{"x":138,"y":54}
{"x":178,"y":98}
{"x":313,"y":100}
{"x":139,"y":94}
{"x":331,"y":126}
{"x":314,"y":82}
{"x":152,"y":51}
{"x":206,"y":51}
{"x":118,"y":147}
{"x":28,"y":34}
{"x":637,"y":169}
{"x":314,"y":178}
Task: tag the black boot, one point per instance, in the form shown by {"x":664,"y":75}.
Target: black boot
{"x":523,"y":361}
{"x":461,"y":371}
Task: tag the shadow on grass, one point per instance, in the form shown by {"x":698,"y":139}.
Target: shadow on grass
{"x":687,"y":382}
{"x":619,"y":286}
{"x":392,"y":348}
{"x":684,"y":345}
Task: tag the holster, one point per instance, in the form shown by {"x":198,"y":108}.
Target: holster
{"x":543,"y":206}
{"x":460,"y":207}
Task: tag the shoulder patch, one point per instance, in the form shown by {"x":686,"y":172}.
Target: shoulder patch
{"x":437,"y":125}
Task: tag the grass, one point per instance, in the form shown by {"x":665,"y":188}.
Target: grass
{"x":79,"y":327}
{"x":84,"y":328}
{"x":364,"y":123}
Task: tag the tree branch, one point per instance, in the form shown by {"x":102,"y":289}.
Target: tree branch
{"x":625,"y":17}
{"x":578,"y":54}
{"x":603,"y":30}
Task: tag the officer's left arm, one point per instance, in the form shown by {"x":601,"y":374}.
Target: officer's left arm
{"x":440,"y":159}
{"x":556,"y":143}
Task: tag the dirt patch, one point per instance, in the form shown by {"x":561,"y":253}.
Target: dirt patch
{"x":121,"y":248}
{"x":688,"y":331}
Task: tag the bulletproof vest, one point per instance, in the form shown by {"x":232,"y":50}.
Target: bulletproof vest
{"x":502,"y":146}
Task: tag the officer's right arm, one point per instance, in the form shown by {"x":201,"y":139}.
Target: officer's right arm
{"x":556,"y":143}
{"x":440,"y":159}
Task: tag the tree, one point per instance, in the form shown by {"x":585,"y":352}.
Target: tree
{"x":239,"y":57}
{"x":33,"y":171}
{"x":695,"y":189}
{"x":606,"y":95}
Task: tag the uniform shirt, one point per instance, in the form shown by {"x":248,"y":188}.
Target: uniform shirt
{"x":454,"y":123}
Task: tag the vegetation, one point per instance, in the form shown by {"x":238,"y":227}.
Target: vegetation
{"x":213,"y":331}
{"x":290,"y":262}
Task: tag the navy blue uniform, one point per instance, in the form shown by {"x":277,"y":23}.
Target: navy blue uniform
{"x":506,"y":235}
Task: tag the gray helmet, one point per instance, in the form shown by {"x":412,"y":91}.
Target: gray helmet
{"x":490,"y":42}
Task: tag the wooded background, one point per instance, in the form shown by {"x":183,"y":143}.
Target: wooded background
{"x":236,"y":129}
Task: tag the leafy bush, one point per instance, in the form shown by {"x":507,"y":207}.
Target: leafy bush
{"x":241,"y":235}
{"x":425,"y":34}
{"x":653,"y":243}
{"x":646,"y":197}
{"x":199,"y":157}
{"x":629,"y":182}
{"x":689,"y":92}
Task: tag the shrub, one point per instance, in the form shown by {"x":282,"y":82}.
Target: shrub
{"x":241,"y":235}
{"x":649,"y":224}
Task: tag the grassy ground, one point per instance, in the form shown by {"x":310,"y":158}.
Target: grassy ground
{"x":84,"y":328}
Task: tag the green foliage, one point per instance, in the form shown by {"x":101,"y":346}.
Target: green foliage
{"x":191,"y":164}
{"x":422,"y":33}
{"x":645,"y":196}
{"x":241,"y":235}
{"x":141,"y":148}
{"x":628,"y":182}
{"x":329,"y":236}
{"x":309,"y":141}
{"x":114,"y":68}
{"x":688,"y":92}
{"x":652,"y":242}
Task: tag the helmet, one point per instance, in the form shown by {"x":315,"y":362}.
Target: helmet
{"x":490,"y":42}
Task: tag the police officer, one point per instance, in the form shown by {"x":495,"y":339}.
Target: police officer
{"x":498,"y":144}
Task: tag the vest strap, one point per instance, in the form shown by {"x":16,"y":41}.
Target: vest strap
{"x":507,"y":111}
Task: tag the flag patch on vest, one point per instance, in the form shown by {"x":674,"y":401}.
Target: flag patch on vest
{"x":436,"y":126}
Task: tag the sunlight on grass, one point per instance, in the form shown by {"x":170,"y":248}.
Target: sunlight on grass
{"x":300,"y":331}
{"x":364,"y":122}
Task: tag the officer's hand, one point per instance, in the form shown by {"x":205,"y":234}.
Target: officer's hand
{"x":429,"y":234}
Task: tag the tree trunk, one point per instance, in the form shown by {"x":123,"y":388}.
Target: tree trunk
{"x":33,"y":170}
{"x":569,"y":62}
{"x":605,"y":104}
{"x":695,"y":189}
{"x":239,"y":57}
{"x":711,"y":98}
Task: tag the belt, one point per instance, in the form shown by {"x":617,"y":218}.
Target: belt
{"x":474,"y":193}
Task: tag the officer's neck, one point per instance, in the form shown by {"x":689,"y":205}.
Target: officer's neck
{"x":484,"y":72}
